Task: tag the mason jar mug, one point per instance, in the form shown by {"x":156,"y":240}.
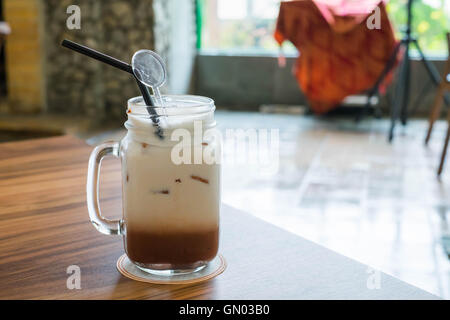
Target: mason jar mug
{"x":170,"y":185}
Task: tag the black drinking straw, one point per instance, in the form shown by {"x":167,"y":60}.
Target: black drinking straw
{"x":97,"y":55}
{"x":119,"y":65}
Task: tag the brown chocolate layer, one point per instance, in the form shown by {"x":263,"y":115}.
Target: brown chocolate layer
{"x":177,"y":248}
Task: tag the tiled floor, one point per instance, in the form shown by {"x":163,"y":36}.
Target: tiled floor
{"x":342,"y":185}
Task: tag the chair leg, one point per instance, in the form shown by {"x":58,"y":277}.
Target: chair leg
{"x":444,"y":150}
{"x":435,"y":111}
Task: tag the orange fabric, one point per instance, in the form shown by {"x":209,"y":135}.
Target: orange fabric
{"x":339,"y":54}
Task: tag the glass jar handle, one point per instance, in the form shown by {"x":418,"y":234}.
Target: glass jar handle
{"x":102,"y":224}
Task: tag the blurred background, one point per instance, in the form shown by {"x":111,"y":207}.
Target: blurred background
{"x":340,"y":182}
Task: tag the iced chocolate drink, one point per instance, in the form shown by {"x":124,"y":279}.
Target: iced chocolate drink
{"x":170,"y":209}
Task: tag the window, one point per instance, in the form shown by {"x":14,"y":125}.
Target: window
{"x":247,"y":26}
{"x":240,"y":25}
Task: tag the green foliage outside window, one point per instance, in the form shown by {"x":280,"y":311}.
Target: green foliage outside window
{"x":430,"y":24}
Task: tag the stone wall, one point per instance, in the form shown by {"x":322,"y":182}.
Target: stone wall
{"x":80,"y":85}
{"x":44,"y":77}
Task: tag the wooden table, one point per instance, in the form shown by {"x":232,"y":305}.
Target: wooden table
{"x":44,"y":228}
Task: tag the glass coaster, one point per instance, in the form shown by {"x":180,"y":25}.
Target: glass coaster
{"x":212,"y":269}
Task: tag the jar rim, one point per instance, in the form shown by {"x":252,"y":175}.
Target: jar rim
{"x":180,"y":111}
{"x":172,"y":102}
